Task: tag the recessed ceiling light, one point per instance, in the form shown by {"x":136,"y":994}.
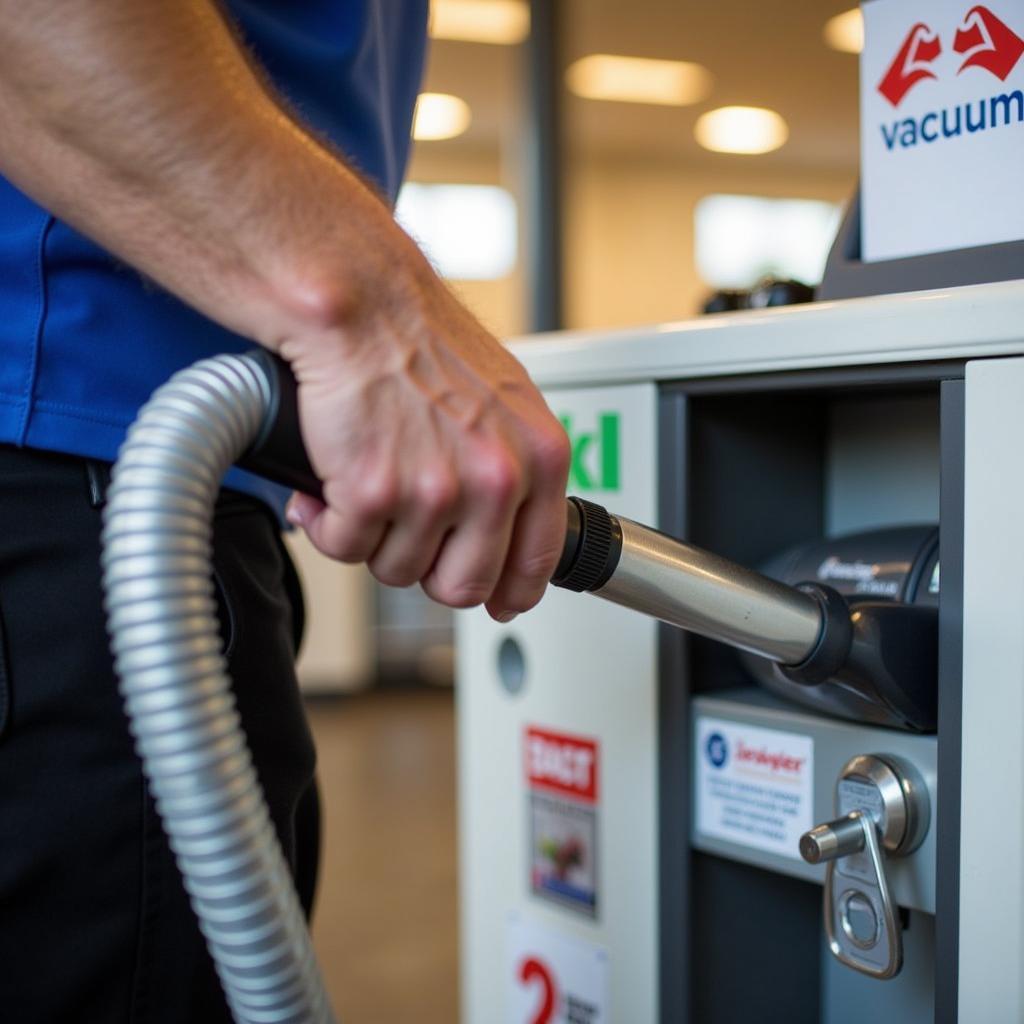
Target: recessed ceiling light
{"x":845,"y":32}
{"x":603,"y":76}
{"x":741,"y":130}
{"x":439,"y":115}
{"x":480,"y":21}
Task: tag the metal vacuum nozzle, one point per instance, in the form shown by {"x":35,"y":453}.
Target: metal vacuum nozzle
{"x":640,"y":568}
{"x":884,"y":652}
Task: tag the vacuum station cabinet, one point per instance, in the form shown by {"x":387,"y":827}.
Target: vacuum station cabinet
{"x":803,"y":805}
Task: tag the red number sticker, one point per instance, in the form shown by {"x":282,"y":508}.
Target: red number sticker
{"x":534,"y":970}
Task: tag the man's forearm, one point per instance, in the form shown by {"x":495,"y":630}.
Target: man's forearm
{"x":142,"y":123}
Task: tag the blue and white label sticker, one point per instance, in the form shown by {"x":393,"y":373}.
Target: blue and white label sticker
{"x":754,"y":786}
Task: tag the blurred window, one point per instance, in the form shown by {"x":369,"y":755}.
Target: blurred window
{"x":469,"y":232}
{"x":740,"y":239}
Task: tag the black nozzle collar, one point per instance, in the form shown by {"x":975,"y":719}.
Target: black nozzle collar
{"x":833,"y":646}
{"x":593,"y":544}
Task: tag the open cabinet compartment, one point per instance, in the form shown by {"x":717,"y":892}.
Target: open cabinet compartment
{"x":748,"y":468}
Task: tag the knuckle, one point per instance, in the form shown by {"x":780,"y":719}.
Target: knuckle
{"x":497,"y":475}
{"x":341,"y":549}
{"x":527,"y":579}
{"x":436,"y":491}
{"x":341,"y":540}
{"x":522,"y":596}
{"x":335,"y":547}
{"x":537,"y":567}
{"x":374,"y":497}
{"x":466,"y":595}
{"x":520,"y":601}
{"x":393,"y":575}
{"x":458,"y":593}
{"x":553,"y":453}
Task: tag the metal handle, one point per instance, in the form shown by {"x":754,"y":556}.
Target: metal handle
{"x":860,"y":917}
{"x":835,"y":839}
{"x":884,"y":806}
{"x":706,"y":594}
{"x":807,"y":628}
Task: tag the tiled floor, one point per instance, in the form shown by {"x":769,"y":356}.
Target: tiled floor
{"x":385,"y":923}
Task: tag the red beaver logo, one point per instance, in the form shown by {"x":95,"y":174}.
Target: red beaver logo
{"x":986,"y":42}
{"x":918,"y":51}
{"x":982,"y":39}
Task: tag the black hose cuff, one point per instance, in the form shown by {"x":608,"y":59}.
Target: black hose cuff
{"x":593,"y":545}
{"x":277,"y":452}
{"x":833,"y":646}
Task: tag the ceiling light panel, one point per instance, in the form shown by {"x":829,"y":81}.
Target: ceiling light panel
{"x":845,"y":32}
{"x":604,"y":76}
{"x":480,"y":21}
{"x":439,"y":115}
{"x":748,"y":130}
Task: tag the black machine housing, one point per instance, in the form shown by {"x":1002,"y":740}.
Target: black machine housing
{"x":890,"y":581}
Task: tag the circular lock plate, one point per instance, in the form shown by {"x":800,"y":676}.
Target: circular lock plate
{"x":892,"y":792}
{"x":858,"y":918}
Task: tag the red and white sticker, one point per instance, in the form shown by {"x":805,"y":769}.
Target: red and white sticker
{"x":552,"y":978}
{"x":562,"y":798}
{"x":561,"y":763}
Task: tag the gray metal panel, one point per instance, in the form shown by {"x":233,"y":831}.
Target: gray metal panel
{"x":961,"y":323}
{"x":897,"y":376}
{"x":542,"y":157}
{"x":753,"y":929}
{"x":991,"y":983}
{"x":882,"y":462}
{"x":951,"y":655}
{"x":847,"y":277}
{"x":674,"y":811}
{"x":912,"y":878}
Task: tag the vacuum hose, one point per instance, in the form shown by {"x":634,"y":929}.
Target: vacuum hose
{"x":167,"y":653}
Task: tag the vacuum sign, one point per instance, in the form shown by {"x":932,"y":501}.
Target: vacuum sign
{"x":942,"y":115}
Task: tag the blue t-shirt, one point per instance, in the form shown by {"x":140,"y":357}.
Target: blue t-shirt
{"x":84,"y":340}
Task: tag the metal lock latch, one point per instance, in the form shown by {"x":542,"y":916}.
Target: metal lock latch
{"x":883,"y":808}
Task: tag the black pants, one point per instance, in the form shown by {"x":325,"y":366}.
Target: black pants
{"x":94,"y":923}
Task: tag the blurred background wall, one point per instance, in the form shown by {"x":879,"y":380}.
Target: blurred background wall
{"x":633,"y":172}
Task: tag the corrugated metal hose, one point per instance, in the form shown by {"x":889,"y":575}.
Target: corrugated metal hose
{"x":157,"y":578}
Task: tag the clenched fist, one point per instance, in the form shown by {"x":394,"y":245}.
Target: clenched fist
{"x":440,"y":460}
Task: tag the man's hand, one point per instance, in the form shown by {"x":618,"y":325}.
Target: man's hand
{"x":141,"y":123}
{"x":441,"y":463}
